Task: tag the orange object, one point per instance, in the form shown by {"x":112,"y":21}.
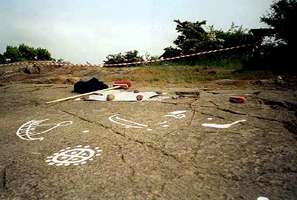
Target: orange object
{"x":237,"y":99}
{"x":122,"y":83}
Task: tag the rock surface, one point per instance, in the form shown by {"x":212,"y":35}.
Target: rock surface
{"x":163,"y":158}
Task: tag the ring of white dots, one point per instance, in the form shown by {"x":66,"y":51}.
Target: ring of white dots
{"x":78,"y":155}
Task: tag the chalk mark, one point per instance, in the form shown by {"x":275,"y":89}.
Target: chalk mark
{"x":78,"y":155}
{"x":125,"y":122}
{"x":28,"y":129}
{"x":222,"y":125}
{"x":179,"y":114}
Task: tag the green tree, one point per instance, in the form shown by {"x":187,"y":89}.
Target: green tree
{"x":114,"y":59}
{"x":43,"y":54}
{"x":193,"y":37}
{"x":2,"y":59}
{"x":283,"y":18}
{"x":26,"y":52}
{"x":127,"y":57}
{"x":132,"y":56}
{"x":235,"y":35}
{"x":278,"y":53}
{"x":13,"y":54}
{"x":170,"y":52}
{"x":196,"y":37}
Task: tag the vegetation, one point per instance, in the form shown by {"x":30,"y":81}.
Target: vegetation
{"x":192,"y":38}
{"x":282,"y":18}
{"x":279,"y":50}
{"x":183,"y":75}
{"x":2,"y":59}
{"x":129,"y":56}
{"x":196,"y":37}
{"x":24,"y":53}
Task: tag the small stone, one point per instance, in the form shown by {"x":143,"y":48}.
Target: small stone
{"x":110,"y":97}
{"x":139,"y":97}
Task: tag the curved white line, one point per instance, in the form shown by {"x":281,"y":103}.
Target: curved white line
{"x":222,"y":125}
{"x":138,"y":125}
{"x":27,"y":128}
{"x":24,"y":130}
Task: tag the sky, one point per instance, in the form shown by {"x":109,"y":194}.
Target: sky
{"x":83,"y":31}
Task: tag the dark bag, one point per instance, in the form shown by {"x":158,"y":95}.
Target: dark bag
{"x":89,"y":86}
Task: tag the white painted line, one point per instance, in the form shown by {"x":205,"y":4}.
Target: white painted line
{"x":27,"y":130}
{"x":222,"y":125}
{"x":126,"y":123}
{"x":78,"y":155}
{"x":179,"y":114}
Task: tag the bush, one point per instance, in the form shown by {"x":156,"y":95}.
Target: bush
{"x":279,"y":53}
{"x":2,"y":59}
{"x":128,"y":57}
{"x":13,"y":54}
{"x":43,"y":54}
{"x":196,"y":37}
{"x":24,"y":53}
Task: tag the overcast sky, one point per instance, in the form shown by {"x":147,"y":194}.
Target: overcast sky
{"x":89,"y":30}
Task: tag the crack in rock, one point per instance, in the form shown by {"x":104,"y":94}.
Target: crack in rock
{"x":130,"y":177}
{"x":143,"y":143}
{"x":231,"y":111}
{"x":268,"y":119}
{"x":212,"y":115}
{"x":227,"y":110}
{"x":283,"y":104}
{"x":74,"y":115}
{"x":3,"y":178}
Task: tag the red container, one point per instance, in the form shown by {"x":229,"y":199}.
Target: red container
{"x":237,"y":99}
{"x":122,"y":82}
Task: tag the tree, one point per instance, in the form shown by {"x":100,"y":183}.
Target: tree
{"x":193,"y":37}
{"x":234,"y":36}
{"x":2,"y":59}
{"x":128,"y":57}
{"x":282,"y":18}
{"x":132,"y":56}
{"x":114,"y":59}
{"x":196,"y":37}
{"x":43,"y":54}
{"x":26,"y":52}
{"x":170,"y":52}
{"x":278,"y":52}
{"x":12,"y":53}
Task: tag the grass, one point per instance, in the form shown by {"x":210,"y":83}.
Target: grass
{"x":179,"y":74}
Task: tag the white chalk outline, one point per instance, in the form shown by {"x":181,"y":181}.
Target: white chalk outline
{"x":122,"y":122}
{"x":27,"y":129}
{"x":222,"y":125}
{"x":262,"y":198}
{"x":161,"y":123}
{"x":78,"y":158}
{"x":179,"y":114}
